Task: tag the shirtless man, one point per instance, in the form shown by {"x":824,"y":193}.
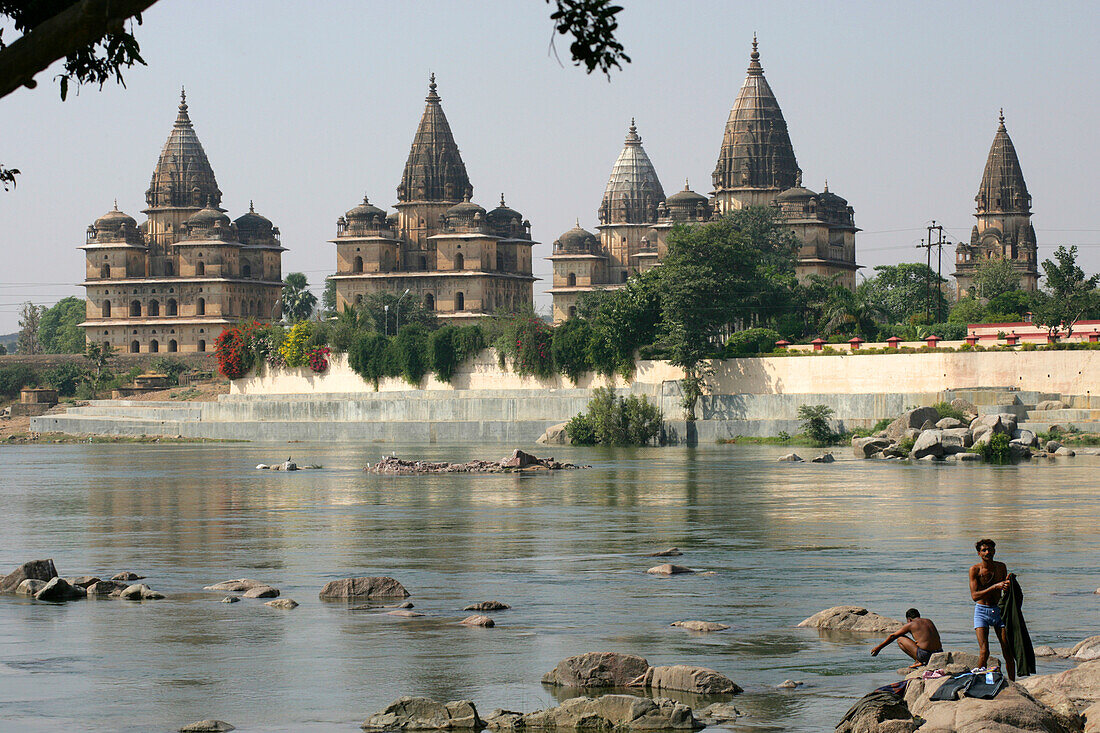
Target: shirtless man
{"x":925,"y":641}
{"x":988,"y":579}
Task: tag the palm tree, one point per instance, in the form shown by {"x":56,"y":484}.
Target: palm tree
{"x":298,"y":302}
{"x":852,"y":311}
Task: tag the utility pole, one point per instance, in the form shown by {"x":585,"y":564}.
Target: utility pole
{"x":927,"y":245}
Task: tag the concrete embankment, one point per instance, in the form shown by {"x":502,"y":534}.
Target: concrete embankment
{"x":485,"y":404}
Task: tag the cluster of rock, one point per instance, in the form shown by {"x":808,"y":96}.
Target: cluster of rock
{"x":383,"y":587}
{"x":851,"y":618}
{"x":287,"y":465}
{"x":249,"y":588}
{"x":936,"y":439}
{"x":39,"y":580}
{"x":595,"y":670}
{"x":518,"y":461}
{"x":795,"y":458}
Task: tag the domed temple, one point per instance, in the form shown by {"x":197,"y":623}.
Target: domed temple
{"x":461,"y":261}
{"x":756,"y":166}
{"x":175,"y":281}
{"x":1003,"y":229}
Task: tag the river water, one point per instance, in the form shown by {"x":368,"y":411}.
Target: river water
{"x":775,"y":543}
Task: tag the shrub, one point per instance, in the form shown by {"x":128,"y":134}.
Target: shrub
{"x":411,"y":349}
{"x":65,"y":378}
{"x":170,"y":367}
{"x":451,"y":346}
{"x":613,"y":420}
{"x":815,"y":423}
{"x":751,"y":341}
{"x":14,"y":378}
{"x":295,"y":349}
{"x":318,"y":359}
{"x":906,"y":444}
{"x":569,"y":348}
{"x":997,"y":450}
{"x":531,"y":351}
{"x":232,"y":350}
{"x":946,"y":410}
{"x":266,"y":342}
{"x":580,"y":430}
{"x":367,"y":356}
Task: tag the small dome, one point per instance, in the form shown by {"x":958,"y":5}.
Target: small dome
{"x":208,"y":217}
{"x":796,"y":193}
{"x":252,"y":224}
{"x":365,"y":210}
{"x":502,"y":215}
{"x":831,"y":198}
{"x":114,"y":219}
{"x":466,"y":210}
{"x":577,"y":240}
{"x":687,"y":196}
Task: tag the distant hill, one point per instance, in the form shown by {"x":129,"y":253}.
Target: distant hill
{"x":10,"y":341}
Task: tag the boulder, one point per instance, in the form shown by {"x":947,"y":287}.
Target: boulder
{"x":1051,"y":405}
{"x":404,"y":613}
{"x":421,"y":713}
{"x":957,"y":661}
{"x":878,"y":712}
{"x":1045,"y":651}
{"x":501,"y":719}
{"x":966,"y":407}
{"x":140,"y":592}
{"x":950,"y":423}
{"x":405,"y":604}
{"x":478,"y":620}
{"x":703,"y":626}
{"x":283,"y":603}
{"x":1080,"y":684}
{"x":1087,"y":650}
{"x":207,"y":726}
{"x":231,"y":599}
{"x":909,"y":420}
{"x":597,"y":669}
{"x":670,"y":552}
{"x":1052,"y":446}
{"x":262,"y":591}
{"x":487,"y":606}
{"x":1014,"y":709}
{"x":669,"y":569}
{"x":1027,"y":437}
{"x":30,"y":586}
{"x":58,"y":589}
{"x":968,"y":457}
{"x":999,"y":422}
{"x":851,"y":618}
{"x":956,"y":440}
{"x":612,"y":714}
{"x":1092,"y":718}
{"x":519,"y":459}
{"x":789,"y":685}
{"x":685,"y":678}
{"x":262,"y":467}
{"x":126,"y":577}
{"x":105,"y":588}
{"x":371,"y":587}
{"x":1064,"y":451}
{"x":235,"y":586}
{"x":928,"y":444}
{"x":823,"y":458}
{"x":720,"y":712}
{"x":33,"y":570}
{"x":790,"y":458}
{"x":928,"y":425}
{"x":867,"y":447}
{"x":83,"y":580}
{"x":555,"y":435}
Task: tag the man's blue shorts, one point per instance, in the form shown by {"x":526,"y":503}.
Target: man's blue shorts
{"x":985,"y":616}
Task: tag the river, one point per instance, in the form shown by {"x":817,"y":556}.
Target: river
{"x":775,"y":543}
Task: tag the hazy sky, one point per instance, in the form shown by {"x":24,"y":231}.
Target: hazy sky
{"x":304,"y":107}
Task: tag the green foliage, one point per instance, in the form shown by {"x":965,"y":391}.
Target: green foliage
{"x":171,"y":367}
{"x":99,"y":357}
{"x":349,"y":323}
{"x":14,"y":378}
{"x":623,"y":320}
{"x":528,"y":344}
{"x":592,"y":24}
{"x":751,"y":341}
{"x":368,"y":357}
{"x":945,"y":409}
{"x":411,"y":349}
{"x":902,"y":291}
{"x":967,"y":310}
{"x":613,"y":420}
{"x":905,"y":445}
{"x":65,"y":378}
{"x":387,"y":313}
{"x":297,"y":301}
{"x":569,"y":348}
{"x":328,"y":299}
{"x":853,"y":312}
{"x":296,"y":346}
{"x":993,"y":277}
{"x":1008,"y":307}
{"x":59,"y":330}
{"x":997,"y":449}
{"x":1071,"y":296}
{"x":815,"y":423}
{"x":450,"y":346}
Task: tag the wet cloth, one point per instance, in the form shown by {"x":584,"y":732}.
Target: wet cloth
{"x":986,"y":616}
{"x":1018,"y":640}
{"x":898,"y":688}
{"x":982,"y":684}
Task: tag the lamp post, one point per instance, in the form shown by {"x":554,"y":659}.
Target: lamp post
{"x":386,"y":319}
{"x":397,"y":324}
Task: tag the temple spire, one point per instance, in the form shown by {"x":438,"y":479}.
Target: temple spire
{"x":1002,"y":189}
{"x":434,"y":170}
{"x":633,"y":190}
{"x":182,"y":177}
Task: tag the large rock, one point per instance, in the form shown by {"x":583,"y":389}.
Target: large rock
{"x":823,"y":458}
{"x":105,"y":588}
{"x":867,"y":447}
{"x":140,"y":592}
{"x":966,"y":407}
{"x":501,"y":719}
{"x":956,"y":440}
{"x":262,"y":591}
{"x":911,"y":419}
{"x":126,"y":577}
{"x":236,"y":586}
{"x":790,"y":458}
{"x":1013,"y":710}
{"x":487,"y":606}
{"x":1064,"y":451}
{"x":59,"y":589}
{"x":851,"y":618}
{"x":612,"y":714}
{"x":684,"y":678}
{"x":669,"y":569}
{"x":703,"y":626}
{"x":597,"y":669}
{"x":1027,"y":437}
{"x":285,"y":604}
{"x":1000,"y":422}
{"x":519,"y":459}
{"x":371,"y":587}
{"x":208,"y":726}
{"x":950,"y":423}
{"x":1080,"y":684}
{"x":83,"y":580}
{"x":721,"y":712}
{"x":555,"y":435}
{"x":957,"y":661}
{"x":1087,"y":650}
{"x":478,"y":620}
{"x":878,"y":712}
{"x":420,"y":713}
{"x":33,"y":570}
{"x":928,"y":444}
{"x":30,"y":586}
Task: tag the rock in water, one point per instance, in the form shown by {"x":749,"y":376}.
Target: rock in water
{"x":478,"y":620}
{"x":669,"y":569}
{"x":823,"y":458}
{"x":519,"y":459}
{"x":30,"y":586}
{"x":207,"y":726}
{"x":231,"y":599}
{"x":703,"y":626}
{"x":790,"y":458}
{"x":487,"y":606}
{"x":930,"y":443}
{"x":501,"y":719}
{"x":33,"y":570}
{"x":851,"y":618}
{"x":236,"y":586}
{"x":406,"y":604}
{"x":1012,"y":710}
{"x":283,"y":603}
{"x":1064,"y":451}
{"x":421,"y":713}
{"x":878,"y":712}
{"x":83,"y":580}
{"x":670,"y":552}
{"x":867,"y":447}
{"x":597,"y":669}
{"x":789,"y":685}
{"x":721,"y":712}
{"x":58,"y":589}
{"x":911,"y":420}
{"x":958,"y":661}
{"x":126,"y":577}
{"x":262,"y":591}
{"x":404,"y":613}
{"x":685,"y":678}
{"x":369,"y":587}
{"x":105,"y":588}
{"x":140,"y":592}
{"x":555,"y":435}
{"x":1087,"y":650}
{"x":612,"y":714}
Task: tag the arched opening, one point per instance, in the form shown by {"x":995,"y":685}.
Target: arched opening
{"x":154,"y":307}
{"x":135,"y":347}
{"x":246,"y":270}
{"x":135,"y":307}
{"x":106,"y":309}
{"x":571,"y":280}
{"x":171,"y":308}
{"x":169,"y":268}
{"x":429,"y":302}
{"x":172,"y":346}
{"x":105,"y":271}
{"x":460,"y":262}
{"x":200,"y":269}
{"x":154,"y":347}
{"x":202,"y":345}
{"x":423,"y":263}
{"x":357,"y":266}
{"x":572,"y":311}
{"x":625,"y":275}
{"x":200,"y":307}
{"x":500,"y":262}
{"x":460,"y":302}
{"x":359,"y":299}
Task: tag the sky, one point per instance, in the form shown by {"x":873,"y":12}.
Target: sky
{"x":305,"y":107}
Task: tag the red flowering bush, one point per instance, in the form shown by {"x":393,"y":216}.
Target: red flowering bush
{"x":532,"y":338}
{"x":318,"y":359}
{"x":233,"y":349}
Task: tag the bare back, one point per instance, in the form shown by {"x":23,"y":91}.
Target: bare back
{"x":925,"y":634}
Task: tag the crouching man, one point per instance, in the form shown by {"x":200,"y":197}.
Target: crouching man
{"x":925,"y":640}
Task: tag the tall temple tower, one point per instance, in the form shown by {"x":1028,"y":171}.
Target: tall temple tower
{"x":187,"y":272}
{"x":447,"y":251}
{"x":1003,"y":229}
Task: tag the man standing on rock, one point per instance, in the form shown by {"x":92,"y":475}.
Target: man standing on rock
{"x":925,"y":641}
{"x":988,"y":579}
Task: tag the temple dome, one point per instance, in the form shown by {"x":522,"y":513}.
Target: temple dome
{"x":503,"y":215}
{"x":114,"y":219}
{"x":365,"y":210}
{"x":208,"y":217}
{"x":465,"y":210}
{"x":434,"y":170}
{"x":577,"y":241}
{"x":252,"y":225}
{"x":633,"y":190}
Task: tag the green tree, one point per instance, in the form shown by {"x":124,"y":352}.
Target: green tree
{"x":1070,"y":295}
{"x":1011,"y":306}
{"x":59,"y":330}
{"x":967,"y":310}
{"x":624,"y":320}
{"x":297,"y":301}
{"x":905,"y":290}
{"x":328,"y":299}
{"x":380,"y":310}
{"x":994,"y":277}
{"x":30,"y":318}
{"x":569,"y":348}
{"x":815,"y":423}
{"x":856,"y":312}
{"x":100,"y":358}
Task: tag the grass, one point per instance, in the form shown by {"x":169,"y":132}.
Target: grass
{"x":64,"y":438}
{"x":801,"y":440}
{"x":1070,"y":436}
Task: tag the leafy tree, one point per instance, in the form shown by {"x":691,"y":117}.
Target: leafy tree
{"x":625,"y":319}
{"x":751,"y":341}
{"x":592,"y":23}
{"x":1015,"y":304}
{"x":328,"y":299}
{"x":100,"y":358}
{"x":349,"y":323}
{"x":65,"y":378}
{"x":3,"y":350}
{"x":297,"y":301}
{"x":614,"y":420}
{"x":853,"y":311}
{"x":411,"y":346}
{"x":815,"y":423}
{"x":412,"y":311}
{"x":1070,"y":294}
{"x":450,"y":346}
{"x":967,"y":310}
{"x":569,"y":348}
{"x":15,"y":377}
{"x":995,"y":276}
{"x":30,"y":318}
{"x":59,"y":330}
{"x":902,"y":291}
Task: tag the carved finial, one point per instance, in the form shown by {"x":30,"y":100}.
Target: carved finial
{"x":754,"y":59}
{"x":755,"y":52}
{"x":116,"y":204}
{"x":182,"y":117}
{"x":687,"y":184}
{"x":826,"y":186}
{"x":432,"y":96}
{"x":578,"y":222}
{"x":1002,"y":116}
{"x":251,"y":210}
{"x":365,"y":199}
{"x":632,"y":134}
{"x":183,"y":97}
{"x":798,"y":177}
{"x":502,"y":199}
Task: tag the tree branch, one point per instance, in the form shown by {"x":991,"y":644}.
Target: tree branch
{"x":79,"y":26}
